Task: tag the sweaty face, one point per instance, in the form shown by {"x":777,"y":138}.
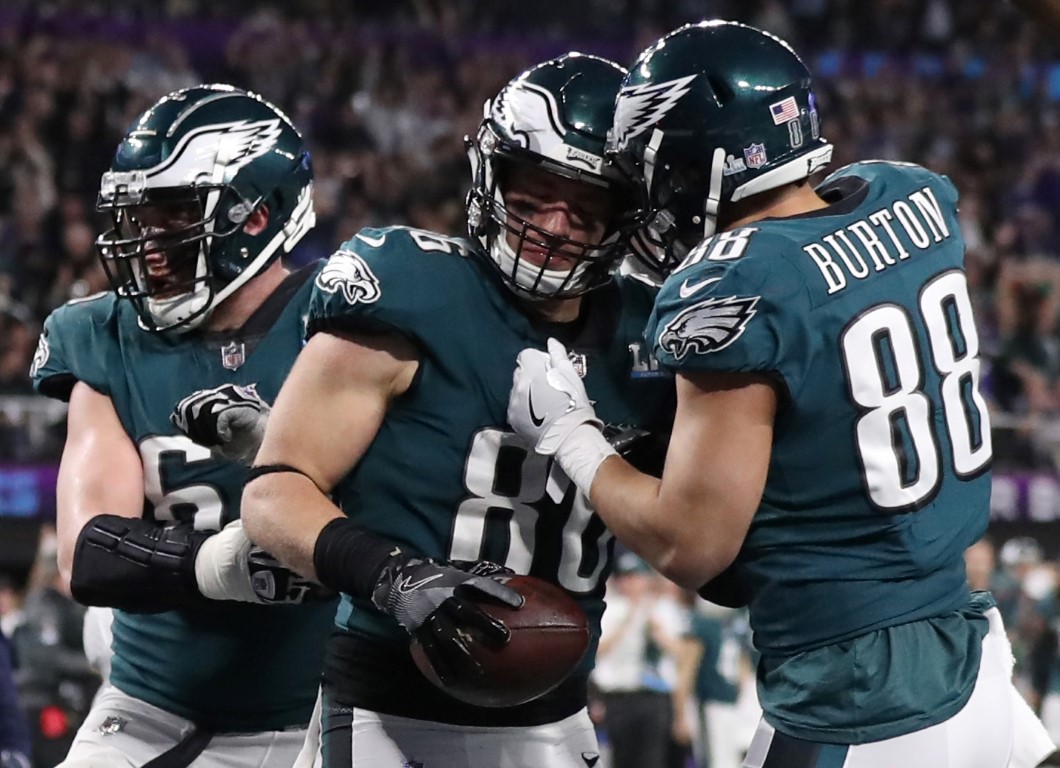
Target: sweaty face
{"x":164,"y":231}
{"x":563,"y":216}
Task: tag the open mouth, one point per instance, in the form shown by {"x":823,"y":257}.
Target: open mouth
{"x":168,"y":274}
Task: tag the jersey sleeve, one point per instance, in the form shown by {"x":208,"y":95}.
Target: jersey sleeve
{"x":743,"y":314}
{"x":395,"y":279}
{"x":899,"y":174}
{"x":74,"y":346}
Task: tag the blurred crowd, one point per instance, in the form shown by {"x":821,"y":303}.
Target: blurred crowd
{"x":384,"y":93}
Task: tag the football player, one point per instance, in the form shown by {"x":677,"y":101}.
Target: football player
{"x":207,"y":190}
{"x":830,"y":459}
{"x":396,"y":408}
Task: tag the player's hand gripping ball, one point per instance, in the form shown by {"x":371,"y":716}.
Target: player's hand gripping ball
{"x":549,"y":635}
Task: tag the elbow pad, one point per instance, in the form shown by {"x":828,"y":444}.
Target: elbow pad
{"x":136,"y":565}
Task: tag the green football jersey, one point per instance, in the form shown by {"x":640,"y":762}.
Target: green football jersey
{"x":445,"y":476}
{"x":879,"y":475}
{"x":234,"y":667}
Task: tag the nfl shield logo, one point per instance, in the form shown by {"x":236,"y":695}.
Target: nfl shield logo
{"x":112,"y":725}
{"x":581,"y":365}
{"x":755,"y":155}
{"x":232,"y":355}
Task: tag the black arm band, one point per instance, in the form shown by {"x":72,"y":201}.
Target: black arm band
{"x":270,"y":469}
{"x":350,"y":559}
{"x":137,"y":565}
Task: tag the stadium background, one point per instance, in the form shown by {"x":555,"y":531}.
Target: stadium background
{"x":385,"y":91}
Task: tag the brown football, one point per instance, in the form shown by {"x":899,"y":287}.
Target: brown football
{"x":549,"y":636}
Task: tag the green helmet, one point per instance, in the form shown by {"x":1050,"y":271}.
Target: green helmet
{"x":202,"y":161}
{"x":710,"y":114}
{"x":554,"y":116}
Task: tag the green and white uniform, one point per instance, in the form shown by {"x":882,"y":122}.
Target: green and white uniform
{"x":226,"y":667}
{"x":445,"y":477}
{"x":880,"y":469}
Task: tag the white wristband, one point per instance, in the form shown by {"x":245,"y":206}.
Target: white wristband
{"x":581,"y":454}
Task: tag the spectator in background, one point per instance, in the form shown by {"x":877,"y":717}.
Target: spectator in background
{"x":55,"y":681}
{"x":10,"y":605}
{"x":716,"y":671}
{"x":14,"y":731}
{"x":638,"y":709}
{"x":18,"y":339}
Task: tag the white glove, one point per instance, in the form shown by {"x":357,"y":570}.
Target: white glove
{"x":229,"y":419}
{"x":549,"y":405}
{"x":229,"y":566}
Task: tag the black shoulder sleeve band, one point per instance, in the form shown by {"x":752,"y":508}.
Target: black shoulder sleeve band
{"x":137,"y":565}
{"x":350,"y":559}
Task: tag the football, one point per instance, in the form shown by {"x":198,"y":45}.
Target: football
{"x":549,"y":636}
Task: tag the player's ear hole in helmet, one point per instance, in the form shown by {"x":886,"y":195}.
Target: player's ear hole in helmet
{"x":711,"y":115}
{"x":207,"y":188}
{"x":544,"y":204}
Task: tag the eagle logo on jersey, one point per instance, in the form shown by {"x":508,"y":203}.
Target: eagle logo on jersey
{"x":348,"y":272}
{"x":639,"y":107}
{"x":40,"y":357}
{"x":708,"y":326}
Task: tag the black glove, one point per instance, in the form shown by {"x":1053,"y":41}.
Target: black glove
{"x":229,"y":566}
{"x":275,"y":583}
{"x":229,"y":419}
{"x":434,"y":602}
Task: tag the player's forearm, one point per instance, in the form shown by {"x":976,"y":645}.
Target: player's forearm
{"x":283,"y":513}
{"x":659,"y":529}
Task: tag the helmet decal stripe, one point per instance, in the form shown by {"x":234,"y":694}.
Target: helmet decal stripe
{"x":531,"y":115}
{"x":641,"y":106}
{"x":529,"y":107}
{"x":230,"y":146}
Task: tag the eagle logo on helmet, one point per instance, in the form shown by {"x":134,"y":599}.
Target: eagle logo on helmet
{"x":532,"y":117}
{"x":641,"y":106}
{"x":245,"y":142}
{"x":708,"y":326}
{"x":229,"y":146}
{"x":348,"y":272}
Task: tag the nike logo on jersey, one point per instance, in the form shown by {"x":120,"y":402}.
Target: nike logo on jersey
{"x":686,"y":289}
{"x":590,"y":758}
{"x":533,"y":416}
{"x":408,"y":585}
{"x":375,"y":242}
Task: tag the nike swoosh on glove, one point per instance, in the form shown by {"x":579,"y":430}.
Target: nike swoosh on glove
{"x":435,"y":602}
{"x":548,"y":400}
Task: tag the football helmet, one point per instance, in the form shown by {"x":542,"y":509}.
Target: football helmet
{"x":555,"y":117}
{"x":187,"y":176}
{"x":712,"y":113}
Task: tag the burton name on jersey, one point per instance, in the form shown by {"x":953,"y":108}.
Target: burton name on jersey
{"x":879,"y":477}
